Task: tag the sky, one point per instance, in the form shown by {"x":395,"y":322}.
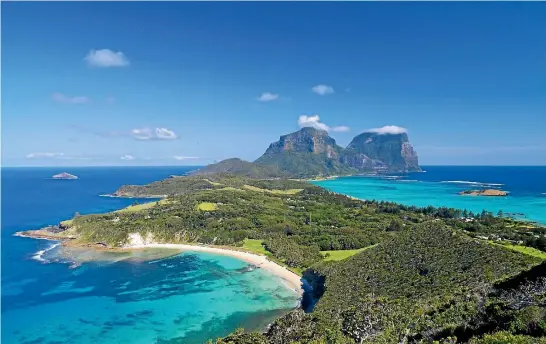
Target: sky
{"x":180,"y":83}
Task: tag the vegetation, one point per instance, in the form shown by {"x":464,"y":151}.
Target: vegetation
{"x":381,"y":272}
{"x":241,"y":168}
{"x":255,"y":246}
{"x":207,"y":206}
{"x":341,"y":254}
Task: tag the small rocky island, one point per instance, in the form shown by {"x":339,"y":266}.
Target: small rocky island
{"x":64,"y":175}
{"x":485,"y":192}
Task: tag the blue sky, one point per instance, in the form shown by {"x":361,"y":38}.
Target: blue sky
{"x":189,"y":83}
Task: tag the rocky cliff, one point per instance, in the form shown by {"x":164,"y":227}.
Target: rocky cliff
{"x":392,"y":152}
{"x":311,"y":152}
{"x":307,"y":152}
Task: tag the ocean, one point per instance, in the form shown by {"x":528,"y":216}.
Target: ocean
{"x":439,"y":186}
{"x":114,"y":298}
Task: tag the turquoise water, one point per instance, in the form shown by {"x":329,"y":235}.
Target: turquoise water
{"x":144,"y":297}
{"x":439,"y":187}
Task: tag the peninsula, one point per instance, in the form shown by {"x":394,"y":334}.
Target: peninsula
{"x":380,"y":272}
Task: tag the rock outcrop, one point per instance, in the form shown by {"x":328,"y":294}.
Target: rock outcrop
{"x":311,"y":152}
{"x":304,"y":153}
{"x":486,"y":192}
{"x":392,"y":152}
{"x":64,"y":175}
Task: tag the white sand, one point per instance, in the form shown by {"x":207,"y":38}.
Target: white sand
{"x":291,"y":279}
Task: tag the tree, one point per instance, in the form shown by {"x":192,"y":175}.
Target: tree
{"x":395,"y":226}
{"x":500,"y":213}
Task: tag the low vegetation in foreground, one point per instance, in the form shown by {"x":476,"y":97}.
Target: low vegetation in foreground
{"x":381,"y":272}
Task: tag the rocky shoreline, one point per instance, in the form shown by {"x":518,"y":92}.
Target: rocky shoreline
{"x":486,"y":192}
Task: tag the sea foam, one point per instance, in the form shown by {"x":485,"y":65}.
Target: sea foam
{"x":39,"y":256}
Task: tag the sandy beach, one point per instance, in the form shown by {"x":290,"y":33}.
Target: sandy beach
{"x":291,"y":279}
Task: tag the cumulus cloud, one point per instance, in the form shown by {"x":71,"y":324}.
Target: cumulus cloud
{"x":178,"y":157}
{"x":148,"y":134}
{"x":388,"y":129}
{"x":61,"y":98}
{"x":44,"y":155}
{"x":323,"y":89}
{"x":106,"y":58}
{"x":267,"y":97}
{"x":314,"y":122}
{"x":127,"y":157}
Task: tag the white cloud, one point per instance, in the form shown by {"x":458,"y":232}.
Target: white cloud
{"x":178,"y":157}
{"x":164,"y":134}
{"x":127,"y":157}
{"x":341,"y":128}
{"x":388,"y":129}
{"x":110,"y":100}
{"x":44,"y":155}
{"x":106,"y":58}
{"x":323,"y":89}
{"x":148,"y":134}
{"x":267,"y":97}
{"x":61,"y":98}
{"x":314,"y":122}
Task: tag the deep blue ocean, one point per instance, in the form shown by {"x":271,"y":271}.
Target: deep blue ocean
{"x":114,"y":298}
{"x":184,"y":298}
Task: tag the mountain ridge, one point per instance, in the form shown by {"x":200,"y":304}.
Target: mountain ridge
{"x":311,"y":152}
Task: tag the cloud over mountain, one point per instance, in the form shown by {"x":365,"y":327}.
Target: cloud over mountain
{"x":388,"y":129}
{"x":314,"y":122}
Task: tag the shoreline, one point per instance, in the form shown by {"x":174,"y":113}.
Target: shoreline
{"x":290,"y":278}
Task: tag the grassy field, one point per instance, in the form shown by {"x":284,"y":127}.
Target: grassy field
{"x":139,"y":207}
{"x":213,"y":183}
{"x":276,"y":192}
{"x":342,"y":254}
{"x":66,"y":222}
{"x":230,"y":188}
{"x":207,"y":206}
{"x":523,"y":249}
{"x":254,"y":245}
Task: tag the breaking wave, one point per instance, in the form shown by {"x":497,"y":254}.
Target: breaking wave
{"x":39,"y":256}
{"x":470,"y":183}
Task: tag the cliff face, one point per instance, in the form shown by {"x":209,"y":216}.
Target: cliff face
{"x":307,"y":152}
{"x":308,"y":140}
{"x":311,"y":152}
{"x":392,"y":152}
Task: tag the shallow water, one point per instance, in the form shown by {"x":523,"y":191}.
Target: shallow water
{"x":147,"y":296}
{"x":439,"y":186}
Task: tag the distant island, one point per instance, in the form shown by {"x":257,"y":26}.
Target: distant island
{"x":379,"y":272}
{"x":485,"y":192}
{"x":64,"y":175}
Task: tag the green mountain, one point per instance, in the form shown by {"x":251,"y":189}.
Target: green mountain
{"x":241,"y":168}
